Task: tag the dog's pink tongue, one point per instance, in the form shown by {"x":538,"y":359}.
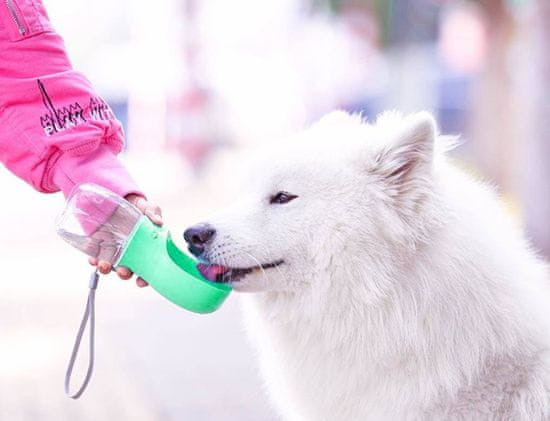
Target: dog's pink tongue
{"x":211,"y":272}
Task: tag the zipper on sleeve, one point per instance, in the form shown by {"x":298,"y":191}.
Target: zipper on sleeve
{"x":15,"y":16}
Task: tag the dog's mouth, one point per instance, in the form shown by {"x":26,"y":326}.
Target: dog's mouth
{"x":224,"y":274}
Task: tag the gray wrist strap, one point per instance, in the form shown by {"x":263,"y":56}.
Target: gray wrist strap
{"x":89,"y":315}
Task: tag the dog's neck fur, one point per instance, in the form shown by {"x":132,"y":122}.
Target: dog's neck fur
{"x":401,"y":329}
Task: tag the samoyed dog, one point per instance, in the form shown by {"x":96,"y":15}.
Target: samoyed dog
{"x":387,"y":284}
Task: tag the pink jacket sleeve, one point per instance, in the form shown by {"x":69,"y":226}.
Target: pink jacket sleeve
{"x":55,"y":131}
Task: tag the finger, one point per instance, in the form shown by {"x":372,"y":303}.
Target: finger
{"x":140,"y":203}
{"x":124,"y":273}
{"x":154,"y":213}
{"x":107,"y":252}
{"x":104,"y":267}
{"x":92,"y":261}
{"x":140,"y":282}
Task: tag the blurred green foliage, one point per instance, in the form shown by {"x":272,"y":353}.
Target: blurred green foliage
{"x":381,"y":8}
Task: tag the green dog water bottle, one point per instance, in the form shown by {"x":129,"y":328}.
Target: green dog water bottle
{"x":104,"y":225}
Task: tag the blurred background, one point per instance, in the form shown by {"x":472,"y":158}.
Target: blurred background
{"x":195,"y":82}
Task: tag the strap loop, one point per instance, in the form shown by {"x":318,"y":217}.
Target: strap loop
{"x":89,"y":315}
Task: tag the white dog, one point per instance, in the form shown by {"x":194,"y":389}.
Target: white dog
{"x":388,"y":284}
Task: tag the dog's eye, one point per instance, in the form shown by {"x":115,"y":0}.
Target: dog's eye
{"x":281,"y":198}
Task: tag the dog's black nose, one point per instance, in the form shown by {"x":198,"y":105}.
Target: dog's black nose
{"x":198,"y":236}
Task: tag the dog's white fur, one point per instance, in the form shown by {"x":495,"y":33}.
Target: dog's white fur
{"x":406,"y":291}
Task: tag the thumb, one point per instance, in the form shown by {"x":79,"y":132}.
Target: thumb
{"x":154,"y":213}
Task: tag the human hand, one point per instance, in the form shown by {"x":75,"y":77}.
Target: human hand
{"x":155,"y":215}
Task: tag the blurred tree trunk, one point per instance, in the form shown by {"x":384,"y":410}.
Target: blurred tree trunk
{"x":493,"y":112}
{"x":536,"y":163}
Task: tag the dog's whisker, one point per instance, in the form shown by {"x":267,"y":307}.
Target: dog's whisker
{"x":259,"y":265}
{"x":275,"y":267}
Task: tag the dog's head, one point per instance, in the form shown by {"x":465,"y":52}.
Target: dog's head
{"x":341,"y":192}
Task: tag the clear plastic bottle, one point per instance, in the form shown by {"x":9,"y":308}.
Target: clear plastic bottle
{"x":97,"y":222}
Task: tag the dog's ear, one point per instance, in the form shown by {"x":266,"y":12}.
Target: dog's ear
{"x":409,"y":154}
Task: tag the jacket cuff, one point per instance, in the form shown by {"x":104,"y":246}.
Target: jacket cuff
{"x":100,"y":167}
